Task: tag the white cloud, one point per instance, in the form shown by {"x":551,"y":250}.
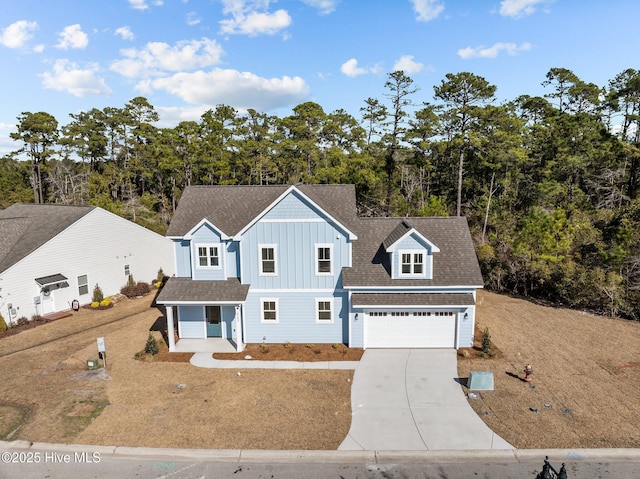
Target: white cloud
{"x":427,"y":9}
{"x":67,"y":76}
{"x":125,"y":33}
{"x":242,"y":90}
{"x":250,"y":17}
{"x":142,"y":4}
{"x":520,"y":8}
{"x":193,"y":19}
{"x":493,"y":51}
{"x":158,"y":57}
{"x":17,"y":34}
{"x":325,"y":6}
{"x":72,"y":37}
{"x":406,"y":64}
{"x":350,"y":68}
{"x":170,"y":116}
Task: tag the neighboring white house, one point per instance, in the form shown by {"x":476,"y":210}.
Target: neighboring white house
{"x":51,"y":255}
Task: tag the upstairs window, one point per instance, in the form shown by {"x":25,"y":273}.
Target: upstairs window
{"x":268,"y":260}
{"x":412,"y":263}
{"x":323,"y":259}
{"x":208,"y":256}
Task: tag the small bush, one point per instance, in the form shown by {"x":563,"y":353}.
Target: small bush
{"x":160,"y":276}
{"x":486,"y":341}
{"x":106,"y":302}
{"x":95,"y":304}
{"x":142,"y":288}
{"x":139,"y":289}
{"x":22,"y":321}
{"x":37,"y":317}
{"x":130,"y":281}
{"x":152,"y":345}
{"x":3,"y":325}
{"x":97,"y":294}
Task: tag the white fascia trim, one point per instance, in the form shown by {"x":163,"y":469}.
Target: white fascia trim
{"x":415,"y":306}
{"x":324,"y":290}
{"x":292,"y":188}
{"x":433,"y":247}
{"x":200,"y":303}
{"x":425,"y":289}
{"x":203,"y":222}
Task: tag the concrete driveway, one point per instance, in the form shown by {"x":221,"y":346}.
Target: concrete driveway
{"x":409,"y":399}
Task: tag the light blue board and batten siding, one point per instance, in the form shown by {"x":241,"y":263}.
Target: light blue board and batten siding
{"x":192,"y":322}
{"x":411,"y":243}
{"x":296,"y":318}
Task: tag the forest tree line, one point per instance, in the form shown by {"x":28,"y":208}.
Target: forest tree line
{"x":550,"y":185}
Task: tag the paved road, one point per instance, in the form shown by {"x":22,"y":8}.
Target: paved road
{"x":409,"y":399}
{"x":103,"y":462}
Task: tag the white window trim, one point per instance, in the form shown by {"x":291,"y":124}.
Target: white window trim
{"x":324,"y":321}
{"x":207,"y":245}
{"x":412,"y":252}
{"x":316,"y":261}
{"x":275,"y":259}
{"x":269,"y":321}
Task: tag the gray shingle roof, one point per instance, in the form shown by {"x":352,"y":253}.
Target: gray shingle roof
{"x":178,"y":290}
{"x":412,"y":299}
{"x":455,"y":265}
{"x":26,"y":227}
{"x":231,"y":208}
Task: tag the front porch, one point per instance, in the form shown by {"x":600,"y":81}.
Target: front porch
{"x":208,"y":345}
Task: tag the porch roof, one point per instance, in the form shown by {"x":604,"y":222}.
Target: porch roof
{"x":189,"y":291}
{"x":411,"y":299}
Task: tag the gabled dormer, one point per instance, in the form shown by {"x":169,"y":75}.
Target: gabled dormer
{"x":410,"y":253}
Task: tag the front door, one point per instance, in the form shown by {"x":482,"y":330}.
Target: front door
{"x":214,"y":325}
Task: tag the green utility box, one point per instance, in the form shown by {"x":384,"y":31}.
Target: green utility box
{"x":93,"y":364}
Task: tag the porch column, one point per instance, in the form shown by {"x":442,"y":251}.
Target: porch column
{"x":238,"y":321}
{"x":170,"y":329}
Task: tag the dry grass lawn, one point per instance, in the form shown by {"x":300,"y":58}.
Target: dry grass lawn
{"x":158,"y":404}
{"x":586,"y":370}
{"x":586,"y":365}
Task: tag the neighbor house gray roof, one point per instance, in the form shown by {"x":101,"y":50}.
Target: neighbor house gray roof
{"x":231,"y":208}
{"x":26,"y":227}
{"x":187,"y":290}
{"x":455,"y":265}
{"x":412,"y":299}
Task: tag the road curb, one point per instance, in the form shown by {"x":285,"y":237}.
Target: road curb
{"x":342,"y":457}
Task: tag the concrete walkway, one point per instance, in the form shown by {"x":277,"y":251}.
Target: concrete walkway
{"x":409,"y":400}
{"x":206,"y":360}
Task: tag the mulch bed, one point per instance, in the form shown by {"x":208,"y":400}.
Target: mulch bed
{"x":296,"y":352}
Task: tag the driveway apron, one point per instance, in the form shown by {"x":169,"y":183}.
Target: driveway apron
{"x":409,"y":400}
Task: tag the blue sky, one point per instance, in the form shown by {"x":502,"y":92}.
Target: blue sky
{"x":187,"y":56}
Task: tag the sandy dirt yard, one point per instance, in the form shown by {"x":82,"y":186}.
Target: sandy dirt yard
{"x":585,"y":388}
{"x":586,"y":380}
{"x":47,"y":395}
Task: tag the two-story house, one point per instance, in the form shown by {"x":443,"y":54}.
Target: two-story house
{"x":296,"y":264}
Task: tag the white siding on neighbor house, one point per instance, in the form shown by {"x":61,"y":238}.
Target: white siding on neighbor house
{"x":98,"y":245}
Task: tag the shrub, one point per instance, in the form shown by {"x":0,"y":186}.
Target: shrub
{"x":95,"y":304}
{"x":160,"y":277}
{"x":139,"y":289}
{"x":106,"y":302}
{"x":22,"y":321}
{"x":3,"y":325}
{"x":130,"y":281}
{"x":486,"y":341}
{"x":37,"y":317}
{"x":152,"y":345}
{"x":97,"y":294}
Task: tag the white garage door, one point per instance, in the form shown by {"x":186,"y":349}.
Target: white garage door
{"x":410,"y":329}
